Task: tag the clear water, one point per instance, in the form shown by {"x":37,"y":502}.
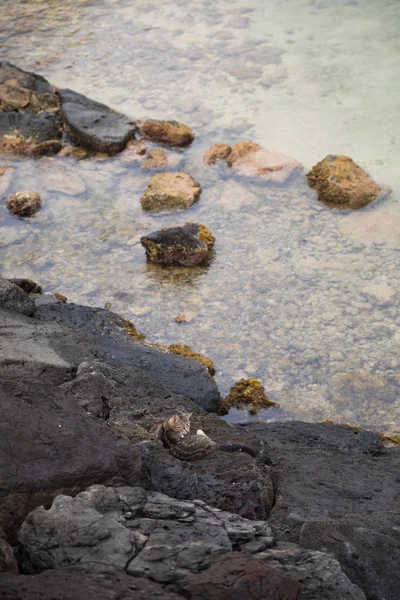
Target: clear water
{"x":303,"y":297}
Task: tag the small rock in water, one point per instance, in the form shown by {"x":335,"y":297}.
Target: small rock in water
{"x":181,"y":318}
{"x":170,"y":191}
{"x":216,"y":152}
{"x":24,"y":204}
{"x":174,"y":246}
{"x":244,"y":393}
{"x":155,"y":158}
{"x":170,"y":133}
{"x":248,"y":158}
{"x":341,"y":183}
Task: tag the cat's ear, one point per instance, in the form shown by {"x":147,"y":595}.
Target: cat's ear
{"x":173,"y":420}
{"x":188,"y":415}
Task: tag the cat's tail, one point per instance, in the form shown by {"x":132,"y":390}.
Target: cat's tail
{"x":238,"y":448}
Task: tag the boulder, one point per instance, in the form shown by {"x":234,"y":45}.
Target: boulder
{"x":174,"y":246}
{"x":246,"y":392}
{"x":251,"y":159}
{"x":216,"y":152}
{"x":29,"y":134}
{"x":24,"y":204}
{"x":341,"y":183}
{"x":170,"y":191}
{"x":170,"y":133}
{"x":201,"y":232}
{"x":93,"y":125}
{"x":13,"y":298}
{"x":320,"y":574}
{"x":73,"y":584}
{"x":239,"y":575}
{"x":25,"y":92}
{"x":337,"y":490}
{"x":114,"y":343}
{"x":128,"y":529}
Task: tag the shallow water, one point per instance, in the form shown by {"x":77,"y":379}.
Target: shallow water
{"x":301,"y":296}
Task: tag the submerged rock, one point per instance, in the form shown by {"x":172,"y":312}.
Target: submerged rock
{"x":246,"y":392}
{"x":29,"y":134}
{"x":240,"y":575}
{"x":251,"y":159}
{"x":23,"y":91}
{"x":174,"y":246}
{"x":340,"y":182}
{"x":170,"y":133}
{"x":187,"y":351}
{"x":24,"y":204}
{"x":94,"y":125}
{"x":170,"y":191}
{"x":201,"y":232}
{"x":155,"y":158}
{"x":216,"y":152}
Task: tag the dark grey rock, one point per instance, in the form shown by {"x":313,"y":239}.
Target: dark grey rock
{"x":13,"y":298}
{"x":27,"y":285}
{"x":8,"y":562}
{"x":93,"y":125}
{"x":24,"y":91}
{"x":174,"y":246}
{"x":29,"y":133}
{"x":178,"y":374}
{"x":71,"y":584}
{"x":129,"y":529}
{"x":319,"y":573}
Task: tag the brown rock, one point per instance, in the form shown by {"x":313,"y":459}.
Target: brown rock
{"x":170,"y":191}
{"x":170,"y":133}
{"x":250,"y":159}
{"x":240,"y":576}
{"x":75,"y":151}
{"x":155,"y":158}
{"x":246,"y":392}
{"x":340,"y":182}
{"x":216,"y":152}
{"x":24,"y":204}
{"x":201,"y":232}
{"x":174,"y":246}
{"x":20,"y":91}
{"x":187,"y":351}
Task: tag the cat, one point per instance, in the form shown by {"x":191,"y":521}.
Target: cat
{"x":174,"y":434}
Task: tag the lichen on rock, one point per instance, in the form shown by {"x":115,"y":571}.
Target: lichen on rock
{"x":170,"y":191}
{"x":133,"y":332}
{"x":341,"y":183}
{"x":187,"y":351}
{"x":246,"y":392}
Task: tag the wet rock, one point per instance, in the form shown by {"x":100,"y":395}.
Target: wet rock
{"x":170,"y":191}
{"x":239,"y":575}
{"x":13,"y":298}
{"x":216,"y":152}
{"x":29,"y":134}
{"x":366,"y":545}
{"x":183,"y":350}
{"x":248,"y":158}
{"x":177,"y":374}
{"x":170,"y":133}
{"x":23,"y":91}
{"x":320,"y":574}
{"x":27,"y":285}
{"x":155,"y":159}
{"x":93,"y":125}
{"x":128,"y":529}
{"x":8,"y":563}
{"x":174,"y":246}
{"x":24,"y":204}
{"x":340,"y":182}
{"x":71,"y":584}
{"x":246,"y":392}
{"x":201,"y":232}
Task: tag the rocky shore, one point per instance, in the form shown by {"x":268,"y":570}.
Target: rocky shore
{"x":91,"y":503}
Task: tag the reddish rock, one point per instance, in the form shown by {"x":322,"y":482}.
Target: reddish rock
{"x":170,"y":133}
{"x":239,"y":576}
{"x":170,"y":191}
{"x":216,"y":152}
{"x":24,"y":204}
{"x":340,"y":182}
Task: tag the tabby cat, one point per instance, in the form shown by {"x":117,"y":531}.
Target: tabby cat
{"x":174,"y":434}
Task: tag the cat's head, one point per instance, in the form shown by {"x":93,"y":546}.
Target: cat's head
{"x":180,"y":423}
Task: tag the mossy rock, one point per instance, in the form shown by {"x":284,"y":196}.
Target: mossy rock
{"x":341,"y":183}
{"x":201,"y":232}
{"x":133,"y":332}
{"x":189,"y":353}
{"x":246,"y":392}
